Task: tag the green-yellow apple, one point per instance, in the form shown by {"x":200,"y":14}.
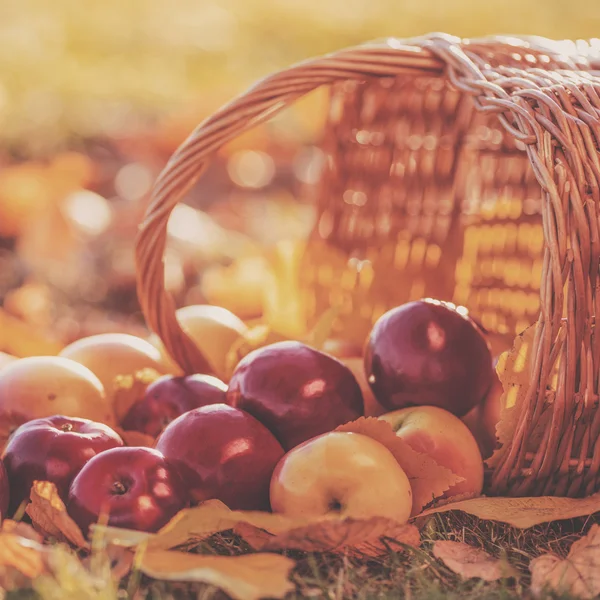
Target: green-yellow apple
{"x":348,"y":473}
{"x":445,"y":438}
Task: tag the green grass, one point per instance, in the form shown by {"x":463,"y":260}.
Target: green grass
{"x":413,"y":574}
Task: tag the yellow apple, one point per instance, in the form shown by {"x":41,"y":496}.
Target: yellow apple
{"x":343,"y":472}
{"x":445,"y":438}
{"x":214,"y":329}
{"x":108,"y":355}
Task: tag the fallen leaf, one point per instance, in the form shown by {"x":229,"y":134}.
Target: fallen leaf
{"x":130,"y":388}
{"x":135,"y":438}
{"x":523,"y":512}
{"x":470,"y":562}
{"x":21,"y":529}
{"x":249,"y":577}
{"x":577,"y":575}
{"x":428,"y":479}
{"x":370,"y":537}
{"x":49,"y":515}
{"x":22,"y":555}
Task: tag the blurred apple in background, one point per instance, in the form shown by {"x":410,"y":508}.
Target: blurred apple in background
{"x":296,"y":391}
{"x":134,"y":488}
{"x":445,"y":438}
{"x":6,"y":359}
{"x":213,"y":329}
{"x":43,"y":386}
{"x":4,"y":492}
{"x":169,"y":397}
{"x":428,"y":353}
{"x":224,"y":453}
{"x":341,"y":472}
{"x":53,"y":449}
{"x":108,"y":355}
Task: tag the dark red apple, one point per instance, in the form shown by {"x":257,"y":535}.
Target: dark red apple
{"x":224,"y":453}
{"x":53,"y":449}
{"x":136,"y":488}
{"x":4,"y":492}
{"x":296,"y":391}
{"x":427,"y":353}
{"x":169,"y":397}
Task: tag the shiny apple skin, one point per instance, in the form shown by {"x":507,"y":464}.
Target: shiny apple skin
{"x":425,"y":353}
{"x":438,"y":433}
{"x":137,"y":488}
{"x":341,"y":472}
{"x":223,"y":453}
{"x":169,"y":397}
{"x":297,"y":392}
{"x":53,"y":449}
{"x":4,"y":492}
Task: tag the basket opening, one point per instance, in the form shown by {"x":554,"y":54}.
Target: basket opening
{"x":422,"y":196}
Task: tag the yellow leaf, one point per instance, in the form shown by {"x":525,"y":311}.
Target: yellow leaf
{"x":428,"y":479}
{"x":358,"y":536}
{"x":523,"y":512}
{"x":249,"y":577}
{"x":49,"y":515}
{"x":470,"y":562}
{"x":20,"y":555}
{"x":128,"y":389}
{"x":577,"y":575}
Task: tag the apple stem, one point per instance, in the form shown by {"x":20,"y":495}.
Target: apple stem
{"x":118,"y":488}
{"x":335,"y":506}
{"x":67,"y":427}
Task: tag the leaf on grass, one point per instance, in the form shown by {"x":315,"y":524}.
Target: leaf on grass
{"x":21,"y":560}
{"x":128,"y":389}
{"x":370,"y":537}
{"x":428,"y":479}
{"x":523,"y":512}
{"x":49,"y":515}
{"x":249,"y":577}
{"x":470,"y":562}
{"x":577,"y":575}
{"x":135,"y":438}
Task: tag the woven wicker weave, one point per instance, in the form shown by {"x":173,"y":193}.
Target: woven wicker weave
{"x":441,"y":155}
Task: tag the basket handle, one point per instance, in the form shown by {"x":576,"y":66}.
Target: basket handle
{"x":258,"y":104}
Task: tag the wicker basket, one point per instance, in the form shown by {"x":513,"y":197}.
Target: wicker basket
{"x":441,"y":156}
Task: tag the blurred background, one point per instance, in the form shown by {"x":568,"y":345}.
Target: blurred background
{"x":94,"y":98}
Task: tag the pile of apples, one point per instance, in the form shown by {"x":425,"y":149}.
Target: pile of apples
{"x":264,"y":440}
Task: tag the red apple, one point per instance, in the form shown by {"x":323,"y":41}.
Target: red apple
{"x":296,"y":391}
{"x":223,"y":452}
{"x":136,"y":488}
{"x":169,"y":397}
{"x":4,"y":492}
{"x":53,"y":449}
{"x":348,"y":473}
{"x":428,"y":353}
{"x":445,"y":438}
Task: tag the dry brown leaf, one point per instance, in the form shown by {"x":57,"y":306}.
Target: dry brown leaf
{"x":19,"y":558}
{"x":249,"y":577}
{"x":49,"y":515}
{"x":370,"y":537}
{"x":135,"y":438}
{"x":577,"y":575}
{"x":130,"y":388}
{"x":428,"y":479}
{"x":523,"y":512}
{"x":470,"y":562}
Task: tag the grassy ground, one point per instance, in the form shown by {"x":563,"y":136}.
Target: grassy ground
{"x":410,"y":575}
